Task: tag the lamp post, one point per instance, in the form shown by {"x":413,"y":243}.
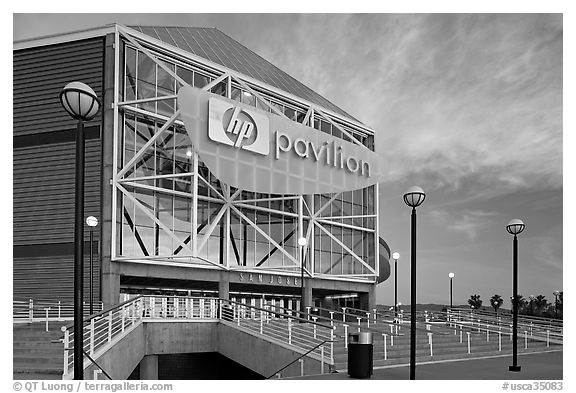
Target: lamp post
{"x":92,"y":222}
{"x":81,"y":103}
{"x":515,"y":227}
{"x":414,"y":197}
{"x":396,"y":256}
{"x":302,"y":242}
{"x":451,"y":276}
{"x":556,"y":294}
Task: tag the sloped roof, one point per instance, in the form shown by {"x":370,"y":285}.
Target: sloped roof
{"x":212,"y":44}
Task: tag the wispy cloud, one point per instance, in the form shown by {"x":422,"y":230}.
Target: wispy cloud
{"x":457,"y":100}
{"x":468,"y":223}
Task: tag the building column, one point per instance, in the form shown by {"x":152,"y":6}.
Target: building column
{"x":367,"y":299}
{"x":149,"y":368}
{"x":224,"y":286}
{"x":109,"y":278}
{"x":110,"y":289}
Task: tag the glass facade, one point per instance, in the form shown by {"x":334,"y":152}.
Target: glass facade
{"x":171,"y":209}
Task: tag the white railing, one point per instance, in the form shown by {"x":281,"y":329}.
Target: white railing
{"x":102,"y":330}
{"x":31,"y":310}
{"x":284,"y":326}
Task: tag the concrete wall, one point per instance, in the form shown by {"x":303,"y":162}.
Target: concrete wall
{"x":180,"y":337}
{"x":122,"y":358}
{"x":260,"y":355}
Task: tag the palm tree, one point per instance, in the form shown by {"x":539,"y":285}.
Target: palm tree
{"x":475,"y":301}
{"x":541,"y":304}
{"x":522,"y":305}
{"x":496,"y":301}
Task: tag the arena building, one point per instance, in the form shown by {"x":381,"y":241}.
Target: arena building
{"x":205,"y":167}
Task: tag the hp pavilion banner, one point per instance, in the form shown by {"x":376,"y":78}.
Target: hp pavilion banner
{"x":253,"y":150}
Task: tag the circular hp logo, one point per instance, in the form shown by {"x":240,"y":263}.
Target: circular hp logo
{"x":239,"y":127}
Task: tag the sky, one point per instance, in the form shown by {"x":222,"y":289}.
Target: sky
{"x":467,"y":106}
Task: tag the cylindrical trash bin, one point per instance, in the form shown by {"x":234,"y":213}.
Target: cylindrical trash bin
{"x":360,"y":355}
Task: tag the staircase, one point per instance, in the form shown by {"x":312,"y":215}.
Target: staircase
{"x":37,"y":353}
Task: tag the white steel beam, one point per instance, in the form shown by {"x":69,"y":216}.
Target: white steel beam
{"x":352,"y":253}
{"x":158,"y":222}
{"x":317,"y":214}
{"x":260,"y":231}
{"x":212,"y":226}
{"x":150,"y":142}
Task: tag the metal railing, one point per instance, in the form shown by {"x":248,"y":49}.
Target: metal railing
{"x":284,"y":326}
{"x":103,"y":329}
{"x":34,"y":310}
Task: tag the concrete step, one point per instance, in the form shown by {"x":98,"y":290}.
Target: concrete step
{"x":37,"y":375}
{"x":47,"y":359}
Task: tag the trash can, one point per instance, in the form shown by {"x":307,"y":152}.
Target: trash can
{"x":360,"y":355}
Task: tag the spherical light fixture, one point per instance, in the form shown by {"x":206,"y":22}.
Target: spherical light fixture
{"x":396,"y":256}
{"x":80,"y":101}
{"x":414,"y":197}
{"x":515,"y":226}
{"x":91,"y":221}
{"x":451,"y":275}
{"x":302,"y":242}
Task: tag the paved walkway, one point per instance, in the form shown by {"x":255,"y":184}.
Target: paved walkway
{"x":535,"y":366}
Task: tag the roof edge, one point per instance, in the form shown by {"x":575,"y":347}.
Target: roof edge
{"x":64,"y":37}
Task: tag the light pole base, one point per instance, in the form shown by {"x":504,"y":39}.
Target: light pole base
{"x":514,"y":368}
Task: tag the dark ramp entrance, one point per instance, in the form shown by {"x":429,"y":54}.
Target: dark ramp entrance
{"x":198,"y":366}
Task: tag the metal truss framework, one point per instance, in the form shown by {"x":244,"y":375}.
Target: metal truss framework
{"x":230,"y":201}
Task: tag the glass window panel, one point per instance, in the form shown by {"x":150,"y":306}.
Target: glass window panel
{"x":182,"y":214}
{"x":184,"y":237}
{"x":336,"y":132}
{"x":236,"y":94}
{"x":146,"y":69}
{"x":127,"y":241}
{"x":325,"y":126}
{"x":186,"y":74}
{"x":200,"y":80}
{"x":261,"y":105}
{"x":146,"y":90}
{"x":248,"y":98}
{"x":129,"y":138}
{"x":250,"y":249}
{"x":290,"y":112}
{"x":300,"y":116}
{"x":220,"y":88}
{"x":130,"y":80}
{"x":278,"y":106}
{"x":165,"y":80}
{"x":317,"y":124}
{"x":317,"y":262}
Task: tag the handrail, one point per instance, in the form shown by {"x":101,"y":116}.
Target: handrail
{"x":509,"y":313}
{"x":300,"y":357}
{"x":100,"y":313}
{"x":283,"y":314}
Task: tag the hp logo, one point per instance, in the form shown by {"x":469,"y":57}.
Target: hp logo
{"x":238,"y":127}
